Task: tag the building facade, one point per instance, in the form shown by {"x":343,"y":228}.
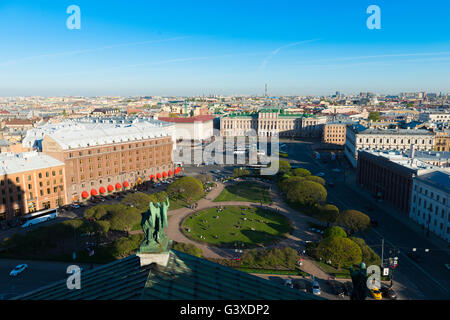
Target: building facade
{"x":430,"y":203}
{"x":30,"y":182}
{"x":389,"y":176}
{"x":197,"y":128}
{"x":442,"y":141}
{"x":388,"y":139}
{"x":272,"y":122}
{"x":334,"y":133}
{"x":107,"y":157}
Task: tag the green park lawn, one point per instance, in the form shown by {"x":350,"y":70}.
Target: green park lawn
{"x":245,"y":191}
{"x":204,"y":223}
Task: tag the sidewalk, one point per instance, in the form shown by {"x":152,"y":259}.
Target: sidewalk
{"x":393,"y":212}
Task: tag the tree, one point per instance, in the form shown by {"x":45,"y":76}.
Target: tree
{"x":205,"y":178}
{"x":369,"y":257}
{"x":342,"y":252}
{"x":283,"y":166}
{"x":328,"y":213}
{"x":316,"y":179}
{"x":138,"y":200}
{"x":124,"y":218}
{"x":353,"y":220}
{"x":238,"y":172}
{"x":306,"y":193}
{"x":374,"y":116}
{"x":334,"y":231}
{"x":186,"y":188}
{"x":301,"y":172}
{"x":287,"y":183}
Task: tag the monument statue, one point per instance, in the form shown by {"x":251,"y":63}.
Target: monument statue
{"x":359,"y":280}
{"x":153,"y":223}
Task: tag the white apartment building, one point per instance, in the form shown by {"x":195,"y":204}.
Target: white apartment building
{"x":430,"y":202}
{"x":359,"y":138}
{"x":441,"y":117}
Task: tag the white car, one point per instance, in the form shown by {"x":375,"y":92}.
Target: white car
{"x":18,"y":270}
{"x":316,"y":288}
{"x":336,"y":170}
{"x":320,"y":174}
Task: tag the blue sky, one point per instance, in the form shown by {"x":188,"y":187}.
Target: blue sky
{"x":223,"y":47}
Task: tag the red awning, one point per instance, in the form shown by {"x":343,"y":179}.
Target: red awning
{"x":84,"y":194}
{"x":102,"y":190}
{"x":178,"y":169}
{"x":158,"y":175}
{"x":94,"y":192}
{"x":170,"y":173}
{"x":118,"y":186}
{"x":126,"y":184}
{"x":152,"y":177}
{"x":164,"y":174}
{"x":110,"y":188}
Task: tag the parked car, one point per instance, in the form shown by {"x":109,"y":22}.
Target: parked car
{"x":374,"y":223}
{"x":388,"y":292}
{"x":376,"y":293}
{"x":18,"y":270}
{"x":315,"y":288}
{"x":331,"y":184}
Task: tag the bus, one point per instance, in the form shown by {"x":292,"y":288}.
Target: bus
{"x":38,"y":217}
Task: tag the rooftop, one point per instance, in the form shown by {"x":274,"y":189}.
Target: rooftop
{"x":201,"y":118}
{"x":184,"y":277}
{"x":438,"y":179}
{"x":86,"y":132}
{"x":19,"y":162}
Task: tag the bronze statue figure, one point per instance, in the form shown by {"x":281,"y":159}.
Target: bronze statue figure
{"x":153,"y":223}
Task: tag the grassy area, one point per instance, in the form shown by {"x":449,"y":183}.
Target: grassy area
{"x":260,"y":226}
{"x":245,"y":191}
{"x":338,"y":273}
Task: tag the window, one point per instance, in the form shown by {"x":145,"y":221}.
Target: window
{"x":17,"y":179}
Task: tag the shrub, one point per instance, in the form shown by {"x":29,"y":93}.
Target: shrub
{"x":300,"y":172}
{"x":97,"y":212}
{"x":124,"y":218}
{"x":369,"y":257}
{"x":306,"y":193}
{"x":327,"y":213}
{"x":316,"y":179}
{"x":334,"y":232}
{"x":353,"y":220}
{"x":186,"y":188}
{"x":138,"y":200}
{"x":125,"y":246}
{"x":342,"y":252}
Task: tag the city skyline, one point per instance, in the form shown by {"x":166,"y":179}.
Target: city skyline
{"x":151,"y":49}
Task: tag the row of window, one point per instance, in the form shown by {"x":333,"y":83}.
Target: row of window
{"x":122,"y":147}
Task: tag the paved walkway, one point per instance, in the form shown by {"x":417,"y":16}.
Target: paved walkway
{"x":295,"y":240}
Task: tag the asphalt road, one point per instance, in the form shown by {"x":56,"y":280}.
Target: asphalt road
{"x":428,"y":279}
{"x":38,"y":274}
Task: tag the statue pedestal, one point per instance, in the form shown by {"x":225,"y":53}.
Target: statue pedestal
{"x":158,"y":258}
